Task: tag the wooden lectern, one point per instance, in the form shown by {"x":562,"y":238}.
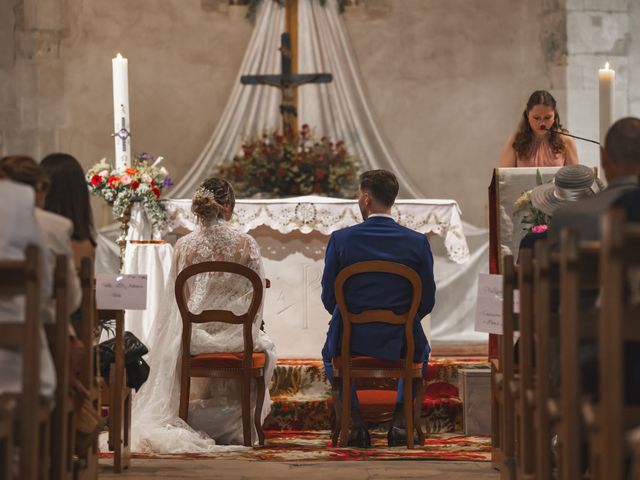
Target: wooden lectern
{"x":505,"y":233}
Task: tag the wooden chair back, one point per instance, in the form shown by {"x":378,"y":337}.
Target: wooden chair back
{"x":619,"y":328}
{"x":209,"y":367}
{"x":579,"y":276}
{"x":119,"y":421}
{"x":408,"y":371}
{"x":509,"y":325}
{"x":224,"y":316}
{"x":526,"y":460}
{"x":63,"y":418}
{"x":8,"y":407}
{"x":22,"y":278}
{"x":87,"y":466}
{"x":546,"y":285}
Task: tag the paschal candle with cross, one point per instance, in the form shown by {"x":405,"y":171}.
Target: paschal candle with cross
{"x":121,"y":127}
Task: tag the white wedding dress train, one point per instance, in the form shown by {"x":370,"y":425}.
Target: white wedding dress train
{"x":214,"y":407}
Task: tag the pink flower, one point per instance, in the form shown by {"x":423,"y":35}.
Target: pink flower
{"x":539,"y":228}
{"x":125,"y":179}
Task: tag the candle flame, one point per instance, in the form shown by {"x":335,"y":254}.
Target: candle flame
{"x":606,"y":66}
{"x":119,"y":57}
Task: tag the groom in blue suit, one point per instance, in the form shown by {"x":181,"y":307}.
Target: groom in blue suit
{"x":379,"y":237}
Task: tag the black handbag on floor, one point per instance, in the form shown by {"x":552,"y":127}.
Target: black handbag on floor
{"x":137,"y":369}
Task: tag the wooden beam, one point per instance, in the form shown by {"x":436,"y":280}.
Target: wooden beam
{"x":291,"y":26}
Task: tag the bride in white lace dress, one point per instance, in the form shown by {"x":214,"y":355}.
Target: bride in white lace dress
{"x":214,"y":407}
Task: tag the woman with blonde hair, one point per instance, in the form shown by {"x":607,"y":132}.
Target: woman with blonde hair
{"x":214,"y":407}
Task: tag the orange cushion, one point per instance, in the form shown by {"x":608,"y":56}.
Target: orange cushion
{"x":225,"y":360}
{"x":374,"y":402}
{"x":362,"y":361}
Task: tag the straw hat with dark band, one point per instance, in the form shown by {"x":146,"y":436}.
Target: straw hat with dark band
{"x":570,"y":183}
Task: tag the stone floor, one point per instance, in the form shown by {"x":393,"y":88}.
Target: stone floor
{"x":245,"y":469}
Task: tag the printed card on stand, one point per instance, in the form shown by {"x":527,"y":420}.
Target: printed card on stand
{"x":121,"y":292}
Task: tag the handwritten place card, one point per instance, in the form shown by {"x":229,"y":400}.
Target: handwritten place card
{"x":121,"y":292}
{"x":489,"y":304}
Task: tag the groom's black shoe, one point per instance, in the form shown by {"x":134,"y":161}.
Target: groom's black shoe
{"x":397,"y":437}
{"x":359,"y":437}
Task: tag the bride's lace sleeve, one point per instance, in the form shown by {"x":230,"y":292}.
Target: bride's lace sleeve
{"x":253,"y":260}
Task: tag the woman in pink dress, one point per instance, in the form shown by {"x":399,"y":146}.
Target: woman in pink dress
{"x":536,"y":143}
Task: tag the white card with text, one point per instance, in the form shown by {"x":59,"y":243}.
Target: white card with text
{"x":489,"y":304}
{"x":121,"y":292}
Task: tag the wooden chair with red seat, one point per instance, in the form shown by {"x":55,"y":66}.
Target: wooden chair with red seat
{"x":238,"y":365}
{"x":347,"y":367}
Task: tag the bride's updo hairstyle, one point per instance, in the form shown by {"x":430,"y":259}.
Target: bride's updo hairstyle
{"x":211,"y":198}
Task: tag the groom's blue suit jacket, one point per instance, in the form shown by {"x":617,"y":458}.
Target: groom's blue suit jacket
{"x":378,"y":238}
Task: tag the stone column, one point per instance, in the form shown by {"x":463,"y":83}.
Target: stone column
{"x":597,"y":31}
{"x":32,"y":74}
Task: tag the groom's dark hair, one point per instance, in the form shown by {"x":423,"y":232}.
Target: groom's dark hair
{"x":382,"y":185}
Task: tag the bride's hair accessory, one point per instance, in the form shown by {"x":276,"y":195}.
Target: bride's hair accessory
{"x":210,"y":200}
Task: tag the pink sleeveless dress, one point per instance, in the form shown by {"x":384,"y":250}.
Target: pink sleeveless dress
{"x":541,"y":155}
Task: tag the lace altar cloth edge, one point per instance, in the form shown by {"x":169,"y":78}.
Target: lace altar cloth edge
{"x":325,"y":215}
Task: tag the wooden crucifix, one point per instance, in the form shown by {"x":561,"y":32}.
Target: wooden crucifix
{"x":289,"y":80}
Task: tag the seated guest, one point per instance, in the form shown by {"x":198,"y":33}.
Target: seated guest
{"x":536,"y":143}
{"x":379,"y":237}
{"x":621,"y":166}
{"x":56,"y":230}
{"x":68,"y":196}
{"x":572,"y":183}
{"x":17,"y":204}
{"x":630,"y":202}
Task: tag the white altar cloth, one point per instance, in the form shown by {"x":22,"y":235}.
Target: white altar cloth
{"x":326,"y":215}
{"x":292,"y":235}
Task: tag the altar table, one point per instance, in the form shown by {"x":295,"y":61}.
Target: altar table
{"x":292,"y":234}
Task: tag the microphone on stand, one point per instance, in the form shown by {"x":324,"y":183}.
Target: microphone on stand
{"x":543,"y":127}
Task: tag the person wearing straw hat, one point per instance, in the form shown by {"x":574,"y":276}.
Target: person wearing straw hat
{"x":570,"y":184}
{"x":621,"y":167}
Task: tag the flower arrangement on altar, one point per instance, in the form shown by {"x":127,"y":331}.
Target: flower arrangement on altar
{"x":278,"y":165}
{"x":142,"y":182}
{"x":534,"y":220}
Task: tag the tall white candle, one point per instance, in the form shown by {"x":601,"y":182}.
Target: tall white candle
{"x":121,"y":125}
{"x":606,"y":82}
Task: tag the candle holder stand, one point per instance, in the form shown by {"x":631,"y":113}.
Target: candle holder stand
{"x":124,"y":230}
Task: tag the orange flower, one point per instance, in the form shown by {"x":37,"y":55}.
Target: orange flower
{"x":131,"y":171}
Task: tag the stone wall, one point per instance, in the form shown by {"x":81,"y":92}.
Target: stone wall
{"x":31,"y":74}
{"x":448,"y":79}
{"x":601,"y":31}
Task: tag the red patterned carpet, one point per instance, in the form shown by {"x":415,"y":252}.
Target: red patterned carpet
{"x":296,"y":446}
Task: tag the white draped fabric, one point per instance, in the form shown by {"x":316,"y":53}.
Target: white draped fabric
{"x":339,"y":109}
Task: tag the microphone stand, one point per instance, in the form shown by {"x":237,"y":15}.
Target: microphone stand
{"x":575,"y":136}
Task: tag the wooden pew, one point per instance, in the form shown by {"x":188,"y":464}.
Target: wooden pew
{"x":579,"y":274}
{"x":507,"y":417}
{"x":119,"y":397}
{"x":22,"y":278}
{"x":618,"y":327}
{"x":63,"y":417}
